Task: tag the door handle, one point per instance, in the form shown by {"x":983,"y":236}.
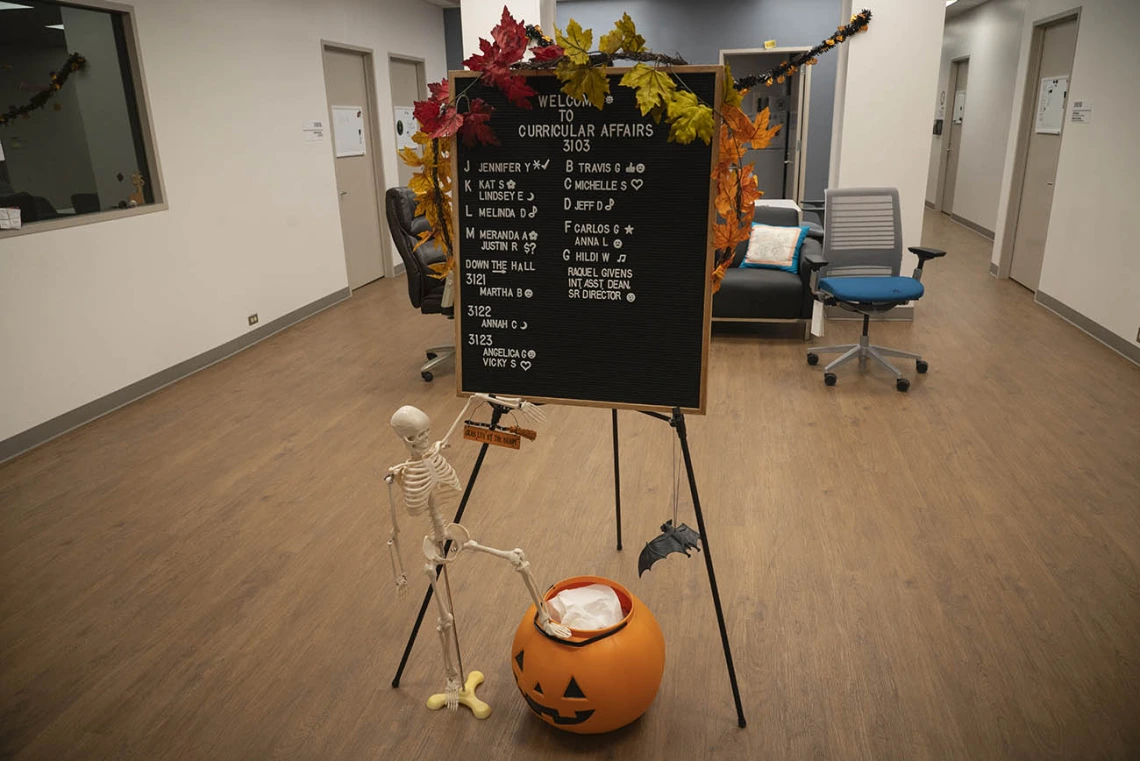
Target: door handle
{"x":1049,"y":184}
{"x":344,"y":192}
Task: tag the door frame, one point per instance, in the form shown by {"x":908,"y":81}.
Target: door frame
{"x":947,"y":126}
{"x":1025,"y":132}
{"x":373,"y":126}
{"x":805,"y":108}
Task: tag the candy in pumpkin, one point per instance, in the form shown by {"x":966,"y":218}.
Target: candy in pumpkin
{"x":595,"y":681}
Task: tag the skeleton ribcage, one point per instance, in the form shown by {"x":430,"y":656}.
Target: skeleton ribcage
{"x":424,"y":478}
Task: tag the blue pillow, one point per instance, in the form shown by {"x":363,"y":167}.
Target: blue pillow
{"x":775,"y":247}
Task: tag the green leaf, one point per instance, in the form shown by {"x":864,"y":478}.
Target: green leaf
{"x":689,"y":119}
{"x":576,"y":42}
{"x":732,"y":96}
{"x":583,"y":82}
{"x":654,"y":87}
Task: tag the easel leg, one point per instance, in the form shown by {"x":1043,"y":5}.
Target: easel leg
{"x":617,"y":480}
{"x":678,"y":423}
{"x":496,"y":415}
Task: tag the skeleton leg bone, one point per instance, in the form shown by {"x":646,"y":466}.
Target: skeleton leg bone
{"x":522,"y":566}
{"x":454,"y":695}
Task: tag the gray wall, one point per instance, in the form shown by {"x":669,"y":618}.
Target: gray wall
{"x":698,"y":30}
{"x":453,"y":38}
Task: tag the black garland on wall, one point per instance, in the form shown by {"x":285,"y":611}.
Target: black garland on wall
{"x":857,"y":24}
{"x":74,"y":62}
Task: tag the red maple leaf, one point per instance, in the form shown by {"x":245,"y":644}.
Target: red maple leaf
{"x":449,"y":122}
{"x":548,"y":53}
{"x":474,"y":129}
{"x":439,"y":90}
{"x":495,"y":59}
{"x":427,"y":114}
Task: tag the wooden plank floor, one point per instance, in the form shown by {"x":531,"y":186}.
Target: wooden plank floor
{"x":953,"y":573}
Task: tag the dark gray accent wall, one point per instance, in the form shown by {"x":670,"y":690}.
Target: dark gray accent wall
{"x":453,"y":38}
{"x":698,"y":30}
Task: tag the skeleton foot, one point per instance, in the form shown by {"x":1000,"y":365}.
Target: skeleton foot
{"x":464,"y":697}
{"x":451,"y":694}
{"x":402,"y":587}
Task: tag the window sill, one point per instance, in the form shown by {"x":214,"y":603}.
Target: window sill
{"x":78,"y":220}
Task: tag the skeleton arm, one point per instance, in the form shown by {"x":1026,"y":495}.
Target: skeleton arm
{"x":394,"y":541}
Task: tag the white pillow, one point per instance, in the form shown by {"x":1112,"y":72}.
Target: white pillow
{"x":774,"y":247}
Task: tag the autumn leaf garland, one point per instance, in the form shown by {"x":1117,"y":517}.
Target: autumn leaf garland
{"x":581,"y":69}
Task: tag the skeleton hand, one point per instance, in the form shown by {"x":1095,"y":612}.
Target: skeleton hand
{"x":556,"y":629}
{"x":532,"y":412}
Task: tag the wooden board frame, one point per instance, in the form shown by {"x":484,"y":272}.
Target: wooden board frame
{"x":710,"y":251}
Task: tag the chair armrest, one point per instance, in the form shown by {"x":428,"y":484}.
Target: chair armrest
{"x":814,"y":260}
{"x":926,"y":254}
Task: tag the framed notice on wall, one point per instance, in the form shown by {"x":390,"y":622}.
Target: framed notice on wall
{"x":584,"y":250}
{"x":348,"y":131}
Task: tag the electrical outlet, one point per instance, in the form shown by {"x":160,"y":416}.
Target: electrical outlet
{"x":253,"y":319}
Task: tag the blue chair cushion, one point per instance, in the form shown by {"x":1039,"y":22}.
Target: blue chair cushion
{"x":872,"y":290}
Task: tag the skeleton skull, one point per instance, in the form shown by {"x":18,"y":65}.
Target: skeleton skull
{"x":414,"y":427}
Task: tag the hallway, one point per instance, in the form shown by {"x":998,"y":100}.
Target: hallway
{"x":951,"y":573}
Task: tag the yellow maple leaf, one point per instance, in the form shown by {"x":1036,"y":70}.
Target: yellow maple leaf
{"x":424,"y":236}
{"x":732,"y":96}
{"x":689,"y":119}
{"x":583,"y":82}
{"x":610,"y":42}
{"x":576,"y":42}
{"x":441,"y":269}
{"x":654,"y":87}
{"x":410,"y":157}
{"x":631,"y":41}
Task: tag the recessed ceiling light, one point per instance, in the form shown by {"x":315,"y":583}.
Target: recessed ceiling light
{"x":12,"y":6}
{"x":950,"y":2}
{"x":54,"y":26}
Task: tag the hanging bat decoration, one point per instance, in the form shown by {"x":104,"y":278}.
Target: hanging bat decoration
{"x":672,"y":539}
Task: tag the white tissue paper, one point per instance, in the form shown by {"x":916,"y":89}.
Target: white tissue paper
{"x":591,"y":607}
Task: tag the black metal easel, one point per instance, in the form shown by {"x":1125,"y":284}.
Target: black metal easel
{"x":677,"y":422}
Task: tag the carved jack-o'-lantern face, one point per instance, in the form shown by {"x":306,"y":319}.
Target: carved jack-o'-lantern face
{"x":596,"y":681}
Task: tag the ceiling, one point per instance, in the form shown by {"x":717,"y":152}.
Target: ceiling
{"x":962,"y":6}
{"x":26,"y":27}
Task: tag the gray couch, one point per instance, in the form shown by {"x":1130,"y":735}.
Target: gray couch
{"x":764,"y":295}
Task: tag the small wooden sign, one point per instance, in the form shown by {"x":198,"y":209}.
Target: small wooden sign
{"x":489,"y":436}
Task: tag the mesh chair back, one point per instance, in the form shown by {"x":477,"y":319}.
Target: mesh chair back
{"x":862,"y":234}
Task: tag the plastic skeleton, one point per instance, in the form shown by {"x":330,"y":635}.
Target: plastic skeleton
{"x":427,"y":481}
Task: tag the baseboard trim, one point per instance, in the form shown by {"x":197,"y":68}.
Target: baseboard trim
{"x":898,"y":314}
{"x":1122,"y":346}
{"x":929,"y":204}
{"x":69,"y":421}
{"x":399,"y":269}
{"x":972,"y":225}
{"x":994,"y":269}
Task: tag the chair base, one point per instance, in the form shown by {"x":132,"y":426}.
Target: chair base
{"x":863,"y":351}
{"x":436,"y":356}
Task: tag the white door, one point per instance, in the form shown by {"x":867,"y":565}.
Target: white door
{"x":1050,"y":82}
{"x":408,"y":86}
{"x":350,"y":115}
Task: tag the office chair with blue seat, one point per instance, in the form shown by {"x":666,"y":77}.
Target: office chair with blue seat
{"x":862,"y":246}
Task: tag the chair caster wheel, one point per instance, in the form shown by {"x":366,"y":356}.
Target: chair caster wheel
{"x":921,"y":365}
{"x":830,"y":378}
{"x":427,"y":376}
{"x":813,"y":358}
{"x":431,"y":355}
{"x":902,"y":384}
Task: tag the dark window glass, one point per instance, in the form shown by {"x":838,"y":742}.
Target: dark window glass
{"x":83,"y":151}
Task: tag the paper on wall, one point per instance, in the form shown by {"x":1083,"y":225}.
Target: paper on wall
{"x":348,"y":131}
{"x":959,"y":106}
{"x":1082,"y":113}
{"x":405,"y":127}
{"x":1051,"y":105}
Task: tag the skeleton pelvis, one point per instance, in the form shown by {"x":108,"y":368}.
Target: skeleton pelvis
{"x":459,"y":537}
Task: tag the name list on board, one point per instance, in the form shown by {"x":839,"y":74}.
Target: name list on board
{"x":583,"y":241}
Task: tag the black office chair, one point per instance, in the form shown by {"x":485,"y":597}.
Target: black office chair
{"x":424,"y":290}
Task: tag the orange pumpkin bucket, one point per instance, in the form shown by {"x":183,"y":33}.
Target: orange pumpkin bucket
{"x":595,"y":681}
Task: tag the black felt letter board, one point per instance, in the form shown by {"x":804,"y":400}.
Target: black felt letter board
{"x":583,"y":251}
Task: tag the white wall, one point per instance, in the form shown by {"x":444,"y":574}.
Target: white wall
{"x":991,"y":36}
{"x":481,"y":16}
{"x":1092,"y":262}
{"x":253,"y":224}
{"x":891,"y":69}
